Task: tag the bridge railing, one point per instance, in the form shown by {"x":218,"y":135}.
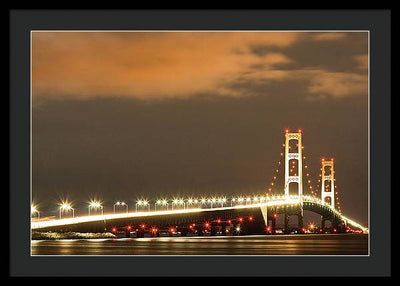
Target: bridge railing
{"x":336,"y":212}
{"x":269,"y":201}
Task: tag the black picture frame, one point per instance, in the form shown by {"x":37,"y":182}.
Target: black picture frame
{"x":377,"y":22}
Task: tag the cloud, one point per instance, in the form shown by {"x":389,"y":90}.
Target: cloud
{"x":329,"y":36}
{"x":318,"y":83}
{"x":362,"y":62}
{"x":337,"y":84}
{"x":146,"y":65}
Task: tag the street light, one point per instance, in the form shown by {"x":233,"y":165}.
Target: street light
{"x":178,"y":202}
{"x":142,"y":203}
{"x":116,"y":204}
{"x":164,"y":203}
{"x":213,"y":201}
{"x":95,"y":205}
{"x":65,"y":206}
{"x":190,"y":202}
{"x":123,"y":204}
{"x":138,"y":203}
{"x":158,"y":202}
{"x":182,"y":203}
{"x":175,"y":202}
{"x":146,"y":203}
{"x":34,"y":211}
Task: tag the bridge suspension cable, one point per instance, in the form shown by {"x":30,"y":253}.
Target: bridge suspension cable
{"x":274,"y":179}
{"x":308,"y":177}
{"x":337,"y":201}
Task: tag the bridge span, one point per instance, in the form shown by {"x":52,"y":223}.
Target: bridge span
{"x":247,"y":218}
{"x":257,"y":218}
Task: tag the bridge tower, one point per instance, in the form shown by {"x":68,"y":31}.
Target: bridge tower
{"x":298,"y":178}
{"x":330,"y":177}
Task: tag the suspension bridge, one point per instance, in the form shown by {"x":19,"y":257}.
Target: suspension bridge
{"x":221,"y":216}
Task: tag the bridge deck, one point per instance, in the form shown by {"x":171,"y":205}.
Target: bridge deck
{"x":309,"y":203}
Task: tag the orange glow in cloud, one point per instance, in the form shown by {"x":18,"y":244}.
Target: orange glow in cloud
{"x":149,"y":65}
{"x":154,"y":65}
{"x":329,"y":36}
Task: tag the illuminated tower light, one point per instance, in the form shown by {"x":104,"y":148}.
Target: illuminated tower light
{"x":325,"y":192}
{"x":296,"y":178}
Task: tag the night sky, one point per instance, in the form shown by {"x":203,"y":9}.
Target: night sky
{"x":119,"y":116}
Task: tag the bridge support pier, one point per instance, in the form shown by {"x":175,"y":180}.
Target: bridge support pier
{"x":253,"y":226}
{"x":286,"y":227}
{"x":342,"y":227}
{"x":183,"y":231}
{"x":323,"y":223}
{"x":336,"y":225}
{"x":213,"y":230}
{"x":155,"y":233}
{"x":273,"y":225}
{"x":140,"y":233}
{"x":199,"y":230}
{"x":223,"y":229}
{"x":300,"y":222}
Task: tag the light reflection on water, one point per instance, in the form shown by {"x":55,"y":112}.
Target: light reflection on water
{"x":347,"y":244}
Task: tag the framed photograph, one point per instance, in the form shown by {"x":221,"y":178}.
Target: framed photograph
{"x":238,"y":143}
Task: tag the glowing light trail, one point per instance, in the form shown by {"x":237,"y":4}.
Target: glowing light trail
{"x":272,"y":202}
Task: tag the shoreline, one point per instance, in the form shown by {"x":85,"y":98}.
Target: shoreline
{"x":70,"y":235}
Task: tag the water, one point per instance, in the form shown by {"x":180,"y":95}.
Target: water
{"x":319,"y":244}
